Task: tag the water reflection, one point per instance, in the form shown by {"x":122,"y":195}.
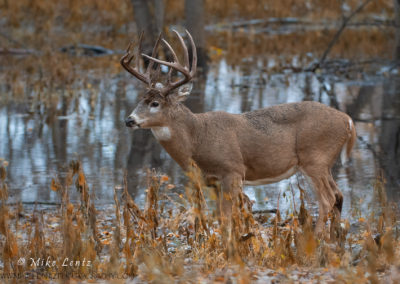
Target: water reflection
{"x":89,"y":126}
{"x":389,"y":139}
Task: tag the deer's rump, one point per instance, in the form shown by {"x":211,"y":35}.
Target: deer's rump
{"x":290,"y":136}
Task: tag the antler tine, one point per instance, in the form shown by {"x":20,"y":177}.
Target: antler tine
{"x":128,"y":49}
{"x":171,"y":50}
{"x":184,"y":69}
{"x":127,"y":54}
{"x":185,"y":51}
{"x":139,"y":50}
{"x":194,"y":54}
{"x":153,"y":54}
{"x":155,"y":74}
{"x":127,"y":59}
{"x":174,"y":65}
{"x":170,"y":75}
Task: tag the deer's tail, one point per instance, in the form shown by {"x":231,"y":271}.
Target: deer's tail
{"x":348,"y":146}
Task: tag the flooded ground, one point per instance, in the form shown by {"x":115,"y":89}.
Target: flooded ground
{"x":60,"y":102}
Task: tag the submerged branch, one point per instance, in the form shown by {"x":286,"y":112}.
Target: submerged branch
{"x":78,"y":49}
{"x":17,"y":51}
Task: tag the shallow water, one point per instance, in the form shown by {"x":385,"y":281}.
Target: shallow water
{"x":89,"y":126}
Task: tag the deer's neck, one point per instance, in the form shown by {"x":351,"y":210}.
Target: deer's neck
{"x":176,"y":136}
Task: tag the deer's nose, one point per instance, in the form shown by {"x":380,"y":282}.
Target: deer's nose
{"x":129,"y":122}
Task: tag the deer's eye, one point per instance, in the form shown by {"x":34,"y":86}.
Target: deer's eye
{"x":154,"y":104}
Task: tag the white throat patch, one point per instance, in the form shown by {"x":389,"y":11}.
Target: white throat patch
{"x":161,"y":133}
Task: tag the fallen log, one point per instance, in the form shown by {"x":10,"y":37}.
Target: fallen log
{"x":17,"y":51}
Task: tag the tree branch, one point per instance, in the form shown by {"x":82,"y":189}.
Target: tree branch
{"x":339,"y":32}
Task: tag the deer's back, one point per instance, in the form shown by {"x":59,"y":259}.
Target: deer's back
{"x":302,"y":128}
{"x":303,"y":115}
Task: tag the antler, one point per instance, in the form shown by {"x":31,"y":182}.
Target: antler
{"x":176,"y":65}
{"x":128,"y":57}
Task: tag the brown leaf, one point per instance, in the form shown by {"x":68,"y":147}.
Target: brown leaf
{"x":3,"y":173}
{"x":70,"y":208}
{"x":310,"y":245}
{"x":4,"y":192}
{"x":170,"y":186}
{"x":164,"y":178}
{"x":81,"y":179}
{"x":54,"y":185}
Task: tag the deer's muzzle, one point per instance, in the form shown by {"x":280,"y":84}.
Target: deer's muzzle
{"x":130,"y":122}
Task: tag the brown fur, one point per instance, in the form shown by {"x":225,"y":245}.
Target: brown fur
{"x":262,"y":144}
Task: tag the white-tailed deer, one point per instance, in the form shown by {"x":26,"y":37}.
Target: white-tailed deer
{"x":258,"y":147}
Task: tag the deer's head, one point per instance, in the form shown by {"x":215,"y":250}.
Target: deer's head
{"x":159,"y":99}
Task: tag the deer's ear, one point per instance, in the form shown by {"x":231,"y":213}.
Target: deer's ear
{"x":183,"y":92}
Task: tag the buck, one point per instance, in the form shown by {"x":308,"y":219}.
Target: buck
{"x":253,"y":148}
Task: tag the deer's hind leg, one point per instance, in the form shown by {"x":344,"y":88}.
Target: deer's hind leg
{"x":336,"y":210}
{"x":328,"y":194}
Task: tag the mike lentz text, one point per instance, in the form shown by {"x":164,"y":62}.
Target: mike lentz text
{"x":49,"y":262}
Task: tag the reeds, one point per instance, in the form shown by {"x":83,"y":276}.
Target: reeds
{"x":9,"y":246}
{"x":181,"y":238}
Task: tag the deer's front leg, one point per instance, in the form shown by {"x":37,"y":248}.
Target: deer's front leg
{"x":231,"y":186}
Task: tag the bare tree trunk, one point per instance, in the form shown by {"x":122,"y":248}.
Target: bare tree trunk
{"x":389,"y":139}
{"x":145,"y":153}
{"x":159,"y":8}
{"x":194,"y":13}
{"x":145,"y":150}
{"x":397,"y":21}
{"x":144,"y":22}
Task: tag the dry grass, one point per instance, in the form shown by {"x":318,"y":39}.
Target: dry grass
{"x":180,"y":239}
